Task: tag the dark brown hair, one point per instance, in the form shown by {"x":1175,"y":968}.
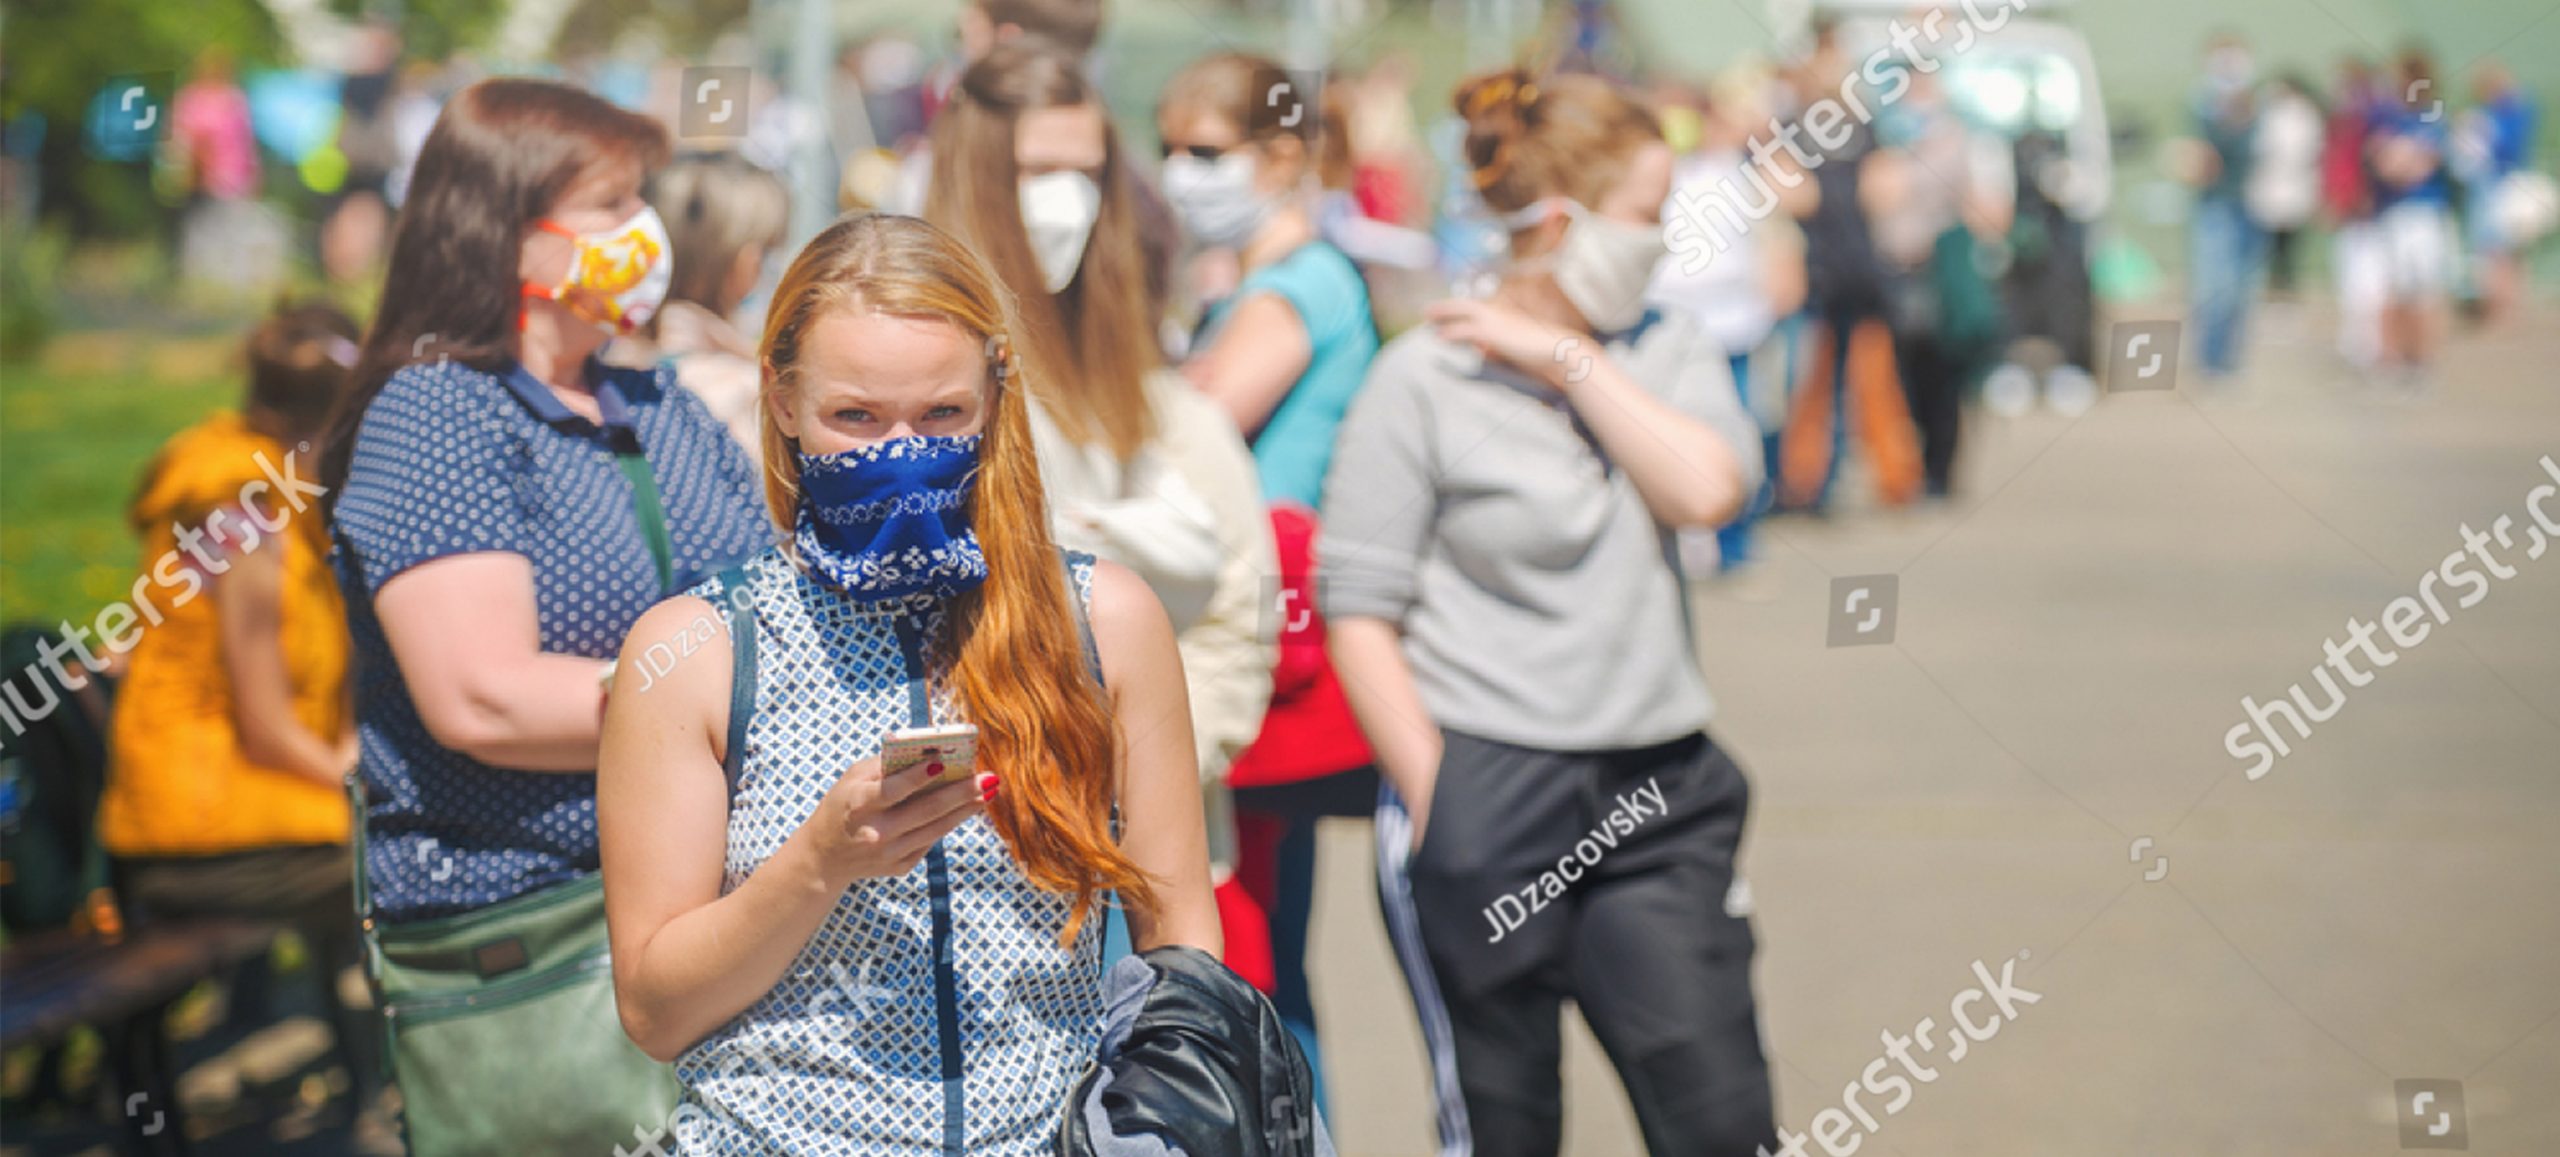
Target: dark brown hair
{"x":501,"y":154}
{"x":299,"y":361}
{"x":1529,"y":139}
{"x":1089,"y":347}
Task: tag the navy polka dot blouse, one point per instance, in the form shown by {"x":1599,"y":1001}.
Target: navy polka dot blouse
{"x":452,"y":460}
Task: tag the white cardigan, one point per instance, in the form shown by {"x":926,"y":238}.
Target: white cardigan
{"x":1186,"y":514}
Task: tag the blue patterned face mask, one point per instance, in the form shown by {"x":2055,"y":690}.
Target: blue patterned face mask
{"x":892,"y":519}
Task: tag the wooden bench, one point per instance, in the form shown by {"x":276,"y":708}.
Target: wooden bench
{"x":59,"y":980}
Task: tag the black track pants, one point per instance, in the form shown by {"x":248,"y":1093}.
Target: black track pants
{"x":1597,"y":877}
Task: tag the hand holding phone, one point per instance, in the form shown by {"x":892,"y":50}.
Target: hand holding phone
{"x":953,"y":745}
{"x":863,"y":831}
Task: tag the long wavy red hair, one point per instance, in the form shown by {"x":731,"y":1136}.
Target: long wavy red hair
{"x":1019,"y":670}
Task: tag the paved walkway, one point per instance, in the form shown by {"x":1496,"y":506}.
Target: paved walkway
{"x":2034,"y":769}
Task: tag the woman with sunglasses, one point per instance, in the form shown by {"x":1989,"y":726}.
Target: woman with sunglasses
{"x":842,"y":958}
{"x":1283,"y":353}
{"x":1511,"y":628}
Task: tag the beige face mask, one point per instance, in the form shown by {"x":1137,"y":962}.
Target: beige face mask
{"x":1603,"y":266}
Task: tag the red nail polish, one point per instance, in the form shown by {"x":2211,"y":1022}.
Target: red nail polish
{"x":932,"y":769}
{"x":987,"y":787}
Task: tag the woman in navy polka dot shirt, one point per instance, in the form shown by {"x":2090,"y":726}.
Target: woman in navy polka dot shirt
{"x":507,"y":504}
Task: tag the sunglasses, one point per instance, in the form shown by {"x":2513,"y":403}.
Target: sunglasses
{"x":1199,"y":152}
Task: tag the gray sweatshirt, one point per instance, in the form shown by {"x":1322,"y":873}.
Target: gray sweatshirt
{"x":1537,"y":596}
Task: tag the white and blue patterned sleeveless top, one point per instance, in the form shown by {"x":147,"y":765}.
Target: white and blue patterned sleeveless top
{"x":933,"y":1013}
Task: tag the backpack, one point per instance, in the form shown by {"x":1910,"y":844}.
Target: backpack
{"x":53,"y":767}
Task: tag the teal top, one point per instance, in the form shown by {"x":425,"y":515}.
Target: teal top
{"x":1295,"y":444}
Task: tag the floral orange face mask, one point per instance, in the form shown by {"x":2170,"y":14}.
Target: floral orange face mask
{"x":618,"y":277}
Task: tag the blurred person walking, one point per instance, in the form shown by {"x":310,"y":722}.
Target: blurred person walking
{"x":769,"y":879}
{"x":1941,"y":193}
{"x":724,"y":218}
{"x":2412,"y":211}
{"x":2504,"y":194}
{"x":506,"y":506}
{"x":1738,"y":293}
{"x":2283,"y":193}
{"x":1140,"y":469}
{"x":2357,"y":259}
{"x":1849,"y":359}
{"x":1283,"y":354}
{"x":233,"y":731}
{"x":369,"y":108}
{"x":210,"y":129}
{"x":1513,"y":633}
{"x":225,"y":236}
{"x":2226,"y":247}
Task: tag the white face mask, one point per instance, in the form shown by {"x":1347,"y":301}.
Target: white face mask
{"x":1603,"y":265}
{"x":1216,"y":200}
{"x":1058,"y":212}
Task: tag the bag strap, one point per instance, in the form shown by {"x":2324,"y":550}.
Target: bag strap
{"x":355,"y":835}
{"x":740,"y":604}
{"x":646,"y":506}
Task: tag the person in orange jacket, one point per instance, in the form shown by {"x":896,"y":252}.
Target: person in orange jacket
{"x":233,"y":732}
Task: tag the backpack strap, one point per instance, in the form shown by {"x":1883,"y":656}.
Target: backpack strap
{"x":739,"y":602}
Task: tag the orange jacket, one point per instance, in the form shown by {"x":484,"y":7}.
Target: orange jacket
{"x":177,"y":781}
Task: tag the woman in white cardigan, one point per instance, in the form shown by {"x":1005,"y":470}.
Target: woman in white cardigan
{"x":1140,"y":468}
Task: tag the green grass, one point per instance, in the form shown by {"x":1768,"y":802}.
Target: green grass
{"x":71,"y":447}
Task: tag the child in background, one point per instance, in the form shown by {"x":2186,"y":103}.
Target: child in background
{"x":233,"y":736}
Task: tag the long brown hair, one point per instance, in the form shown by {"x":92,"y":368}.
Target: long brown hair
{"x":502,"y":153}
{"x":1019,"y":666}
{"x":1530,"y":138}
{"x":1090,"y":346}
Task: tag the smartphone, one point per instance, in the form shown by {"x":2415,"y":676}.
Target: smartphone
{"x":954,"y":745}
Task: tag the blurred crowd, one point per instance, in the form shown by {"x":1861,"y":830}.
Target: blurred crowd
{"x":1414,"y":428}
{"x":2426,"y":201}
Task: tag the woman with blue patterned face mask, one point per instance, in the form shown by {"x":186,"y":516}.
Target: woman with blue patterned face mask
{"x":923,"y":948}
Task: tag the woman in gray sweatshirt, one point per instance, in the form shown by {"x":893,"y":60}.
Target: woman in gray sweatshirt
{"x":1508,"y":621}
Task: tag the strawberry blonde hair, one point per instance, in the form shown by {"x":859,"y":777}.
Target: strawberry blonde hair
{"x":1020,"y":668}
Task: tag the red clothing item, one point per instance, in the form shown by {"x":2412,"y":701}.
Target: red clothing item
{"x":1308,"y":730}
{"x":1383,"y":193}
{"x":2346,"y":188}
